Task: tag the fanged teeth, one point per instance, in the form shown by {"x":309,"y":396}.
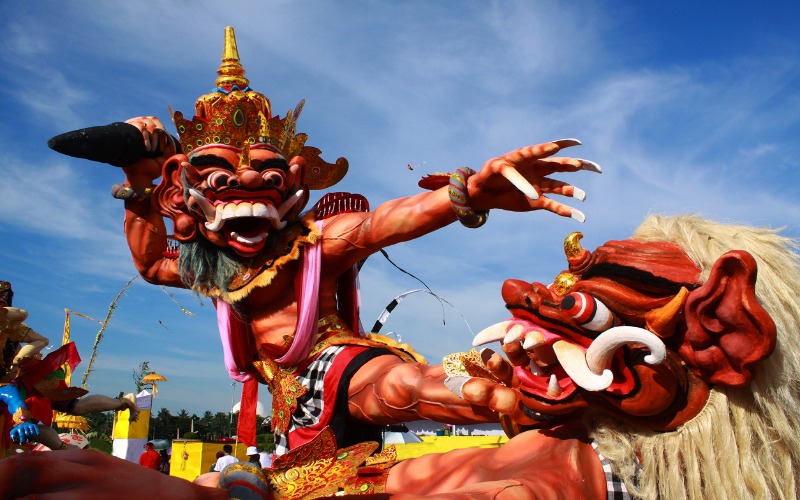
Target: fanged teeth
{"x":532,"y":339}
{"x":228,"y":211}
{"x":553,"y":389}
{"x":513,"y":335}
{"x":248,"y":241}
{"x":536,"y":369}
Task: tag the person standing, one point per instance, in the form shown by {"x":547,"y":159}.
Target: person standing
{"x":253,"y":456}
{"x":164,"y":462}
{"x":225,"y":459}
{"x":150,"y":458}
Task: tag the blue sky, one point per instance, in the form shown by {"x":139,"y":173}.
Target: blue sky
{"x":688,"y":106}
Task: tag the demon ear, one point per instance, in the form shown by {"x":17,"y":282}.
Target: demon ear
{"x":728,"y":331}
{"x":168,"y":197}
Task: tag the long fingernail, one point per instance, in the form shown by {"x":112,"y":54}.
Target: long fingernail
{"x":520,"y":182}
{"x":578,"y":193}
{"x":566,"y":143}
{"x":591,"y":166}
{"x":577,"y":215}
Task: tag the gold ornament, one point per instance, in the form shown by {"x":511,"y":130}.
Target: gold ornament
{"x":237,"y":116}
{"x":316,"y":469}
{"x":21,"y":415}
{"x":572,"y":244}
{"x":467,"y":364}
{"x":564,"y":283}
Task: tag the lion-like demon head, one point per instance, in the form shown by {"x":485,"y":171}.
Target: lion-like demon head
{"x":631,"y":329}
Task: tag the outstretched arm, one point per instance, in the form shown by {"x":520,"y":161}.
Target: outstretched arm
{"x":387,"y":390}
{"x":516,"y":181}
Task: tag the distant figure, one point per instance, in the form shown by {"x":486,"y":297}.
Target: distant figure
{"x":220,"y":454}
{"x":164,"y":462}
{"x":150,"y":458}
{"x":253,"y":455}
{"x":225,"y":459}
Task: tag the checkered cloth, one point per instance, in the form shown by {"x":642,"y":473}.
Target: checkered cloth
{"x":310,"y":405}
{"x":614,"y":485}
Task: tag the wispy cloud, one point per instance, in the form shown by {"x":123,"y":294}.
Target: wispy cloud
{"x":676,"y":128}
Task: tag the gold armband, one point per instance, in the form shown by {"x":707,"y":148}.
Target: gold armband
{"x":21,"y":415}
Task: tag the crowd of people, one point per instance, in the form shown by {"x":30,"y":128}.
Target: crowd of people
{"x":225,"y":457}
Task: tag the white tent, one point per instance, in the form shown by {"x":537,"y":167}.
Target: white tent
{"x":261,"y":411}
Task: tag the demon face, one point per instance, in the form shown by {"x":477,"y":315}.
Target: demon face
{"x":233,"y":197}
{"x":631,"y":330}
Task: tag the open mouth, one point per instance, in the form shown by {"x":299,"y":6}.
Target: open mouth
{"x":247,"y":235}
{"x":558,"y":366}
{"x":244,"y":222}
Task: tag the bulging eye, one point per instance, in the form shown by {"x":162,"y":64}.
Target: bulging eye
{"x":588,"y":312}
{"x":219,"y":179}
{"x":272,"y":179}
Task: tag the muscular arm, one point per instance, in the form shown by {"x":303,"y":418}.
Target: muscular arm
{"x":34,"y":343}
{"x":146,"y":234}
{"x":536,"y":464}
{"x":351,"y":237}
{"x":516,"y":181}
{"x":144,"y":225}
{"x":388,"y":390}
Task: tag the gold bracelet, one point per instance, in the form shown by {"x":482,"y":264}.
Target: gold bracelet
{"x":20,"y":416}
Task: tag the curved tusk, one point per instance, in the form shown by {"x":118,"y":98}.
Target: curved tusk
{"x":599,"y":354}
{"x":493,"y":333}
{"x":514,"y":334}
{"x":573,"y":361}
{"x":206,"y":206}
{"x":520,"y":182}
{"x":289,"y":203}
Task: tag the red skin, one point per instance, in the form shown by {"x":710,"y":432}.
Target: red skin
{"x":385,"y":389}
{"x":549,"y":463}
{"x":80,"y":474}
{"x":536,"y":464}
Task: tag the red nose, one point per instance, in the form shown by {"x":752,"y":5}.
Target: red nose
{"x":249,"y":178}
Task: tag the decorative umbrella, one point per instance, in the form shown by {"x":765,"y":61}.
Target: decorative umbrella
{"x":152,"y":378}
{"x":72,"y":422}
{"x":72,"y":438}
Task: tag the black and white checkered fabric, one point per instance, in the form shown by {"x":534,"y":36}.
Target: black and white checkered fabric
{"x":311,"y":404}
{"x":614,"y":485}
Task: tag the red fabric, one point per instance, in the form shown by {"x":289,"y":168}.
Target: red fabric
{"x":246,"y":427}
{"x":150,"y":459}
{"x":41,"y":409}
{"x":302,"y":435}
{"x":67,"y":353}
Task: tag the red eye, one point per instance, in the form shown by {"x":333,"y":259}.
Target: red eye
{"x":272,"y":179}
{"x":218,"y":179}
{"x":588,"y":312}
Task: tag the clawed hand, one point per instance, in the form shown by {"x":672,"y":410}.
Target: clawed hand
{"x":160,"y":146}
{"x":24,"y":432}
{"x":495,"y":390}
{"x":526,"y":170}
{"x":129,"y":401}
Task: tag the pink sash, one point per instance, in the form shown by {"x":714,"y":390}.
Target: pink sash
{"x":235,"y":335}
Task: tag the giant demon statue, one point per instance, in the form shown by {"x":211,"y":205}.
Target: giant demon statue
{"x":663,"y":366}
{"x":235,"y":186}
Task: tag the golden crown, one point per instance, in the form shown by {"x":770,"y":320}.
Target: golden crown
{"x":235,"y":115}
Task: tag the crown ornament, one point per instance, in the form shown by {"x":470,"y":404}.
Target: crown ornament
{"x":235,"y":115}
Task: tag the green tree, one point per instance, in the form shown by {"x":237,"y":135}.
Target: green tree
{"x":162,"y":424}
{"x":144,"y":369}
{"x":101,"y":423}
